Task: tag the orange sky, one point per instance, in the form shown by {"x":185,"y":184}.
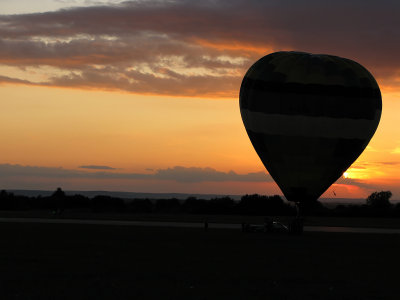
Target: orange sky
{"x":151,"y":108}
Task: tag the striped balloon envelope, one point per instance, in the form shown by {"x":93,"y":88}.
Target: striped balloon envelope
{"x":309,"y":117}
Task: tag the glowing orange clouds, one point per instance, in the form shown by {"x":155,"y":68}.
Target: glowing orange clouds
{"x":127,"y":47}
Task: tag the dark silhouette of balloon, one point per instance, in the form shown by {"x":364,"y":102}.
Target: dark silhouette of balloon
{"x":308,"y":116}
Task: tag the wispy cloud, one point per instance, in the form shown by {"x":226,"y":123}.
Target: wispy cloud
{"x":194,"y":174}
{"x":372,"y":164}
{"x":94,"y":167}
{"x":178,"y":174}
{"x":356,"y":182}
{"x":193,"y":47}
{"x":388,"y":163}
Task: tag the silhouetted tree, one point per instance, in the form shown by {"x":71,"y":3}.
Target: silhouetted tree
{"x":223,"y":205}
{"x":379,"y":200}
{"x":58,"y":193}
{"x":167,"y":205}
{"x":140,"y":206}
{"x":193,"y":205}
{"x":77,"y":201}
{"x":58,"y":198}
{"x":7,"y":200}
{"x":107,"y":204}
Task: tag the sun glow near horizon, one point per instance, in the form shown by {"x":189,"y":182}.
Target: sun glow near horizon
{"x":194,"y":132}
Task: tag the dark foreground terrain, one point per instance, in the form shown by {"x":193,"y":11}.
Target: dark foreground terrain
{"x":65,"y":261}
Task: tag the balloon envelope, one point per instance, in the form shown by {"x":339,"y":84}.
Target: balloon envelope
{"x":308,"y":117}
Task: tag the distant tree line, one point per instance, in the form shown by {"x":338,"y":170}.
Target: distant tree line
{"x":59,"y":202}
{"x":377,"y":204}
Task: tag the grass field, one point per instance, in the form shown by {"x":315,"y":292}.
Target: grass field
{"x":372,"y":222}
{"x":64,"y":261}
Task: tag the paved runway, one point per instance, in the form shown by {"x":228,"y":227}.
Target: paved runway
{"x":191,"y":225}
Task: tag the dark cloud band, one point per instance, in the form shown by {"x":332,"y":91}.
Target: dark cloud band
{"x":178,"y":174}
{"x":194,"y":48}
{"x":94,"y":167}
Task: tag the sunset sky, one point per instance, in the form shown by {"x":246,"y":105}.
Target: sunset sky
{"x":142,"y":96}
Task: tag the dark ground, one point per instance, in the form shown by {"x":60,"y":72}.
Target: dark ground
{"x":64,"y":261}
{"x":372,"y":222}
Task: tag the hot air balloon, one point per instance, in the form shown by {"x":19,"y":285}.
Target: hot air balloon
{"x":309,"y":117}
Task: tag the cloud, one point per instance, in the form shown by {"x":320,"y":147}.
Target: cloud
{"x":93,"y":167}
{"x":368,"y":165}
{"x":5,"y":79}
{"x":178,"y":174}
{"x":388,"y":163}
{"x":194,"y":48}
{"x":192,"y":174}
{"x":356,"y":182}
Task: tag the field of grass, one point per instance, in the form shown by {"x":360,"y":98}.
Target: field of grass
{"x":372,"y":222}
{"x":65,"y":261}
